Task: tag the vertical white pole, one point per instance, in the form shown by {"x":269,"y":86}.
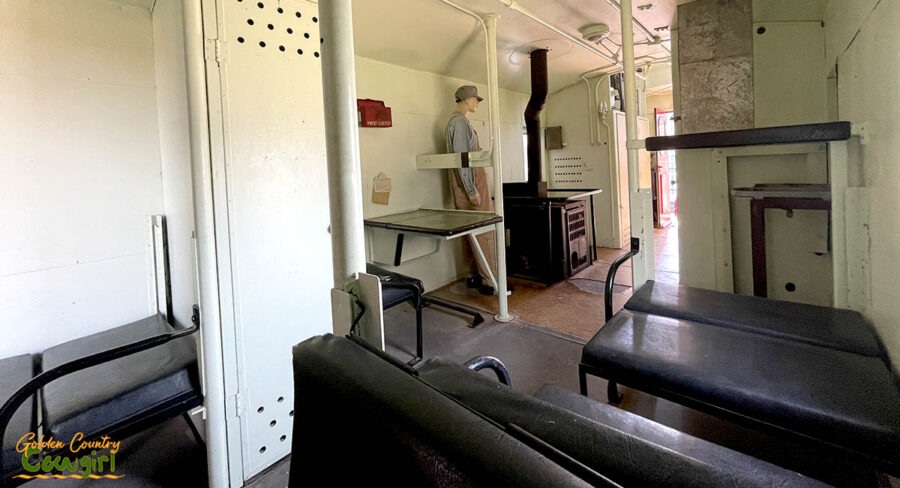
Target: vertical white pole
{"x":494,"y":103}
{"x":639,"y":200}
{"x":204,"y":228}
{"x":838,"y":179}
{"x":342,"y":140}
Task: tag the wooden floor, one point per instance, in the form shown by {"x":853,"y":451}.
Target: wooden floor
{"x":574,"y":306}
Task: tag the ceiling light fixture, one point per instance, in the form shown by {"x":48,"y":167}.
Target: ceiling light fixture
{"x":594,"y":32}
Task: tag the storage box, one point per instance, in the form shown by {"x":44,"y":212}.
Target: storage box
{"x":373,"y":113}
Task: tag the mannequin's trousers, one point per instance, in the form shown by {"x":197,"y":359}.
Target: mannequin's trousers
{"x":481,"y":201}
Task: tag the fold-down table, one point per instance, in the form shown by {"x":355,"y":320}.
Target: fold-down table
{"x":441,"y":224}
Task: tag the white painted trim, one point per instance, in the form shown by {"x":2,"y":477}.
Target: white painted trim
{"x":721,"y":215}
{"x":838,"y":179}
{"x":859,"y":281}
{"x":152,"y":278}
{"x":223,"y":464}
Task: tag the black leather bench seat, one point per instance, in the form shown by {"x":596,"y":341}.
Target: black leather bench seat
{"x":844,"y":330}
{"x":839,"y":398}
{"x":627,"y":448}
{"x":719,"y":458}
{"x":361,"y":421}
{"x":111,"y":396}
{"x":391,"y":296}
{"x":394,"y":296}
{"x":15,"y":372}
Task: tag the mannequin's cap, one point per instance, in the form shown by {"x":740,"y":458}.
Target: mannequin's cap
{"x":467,"y":91}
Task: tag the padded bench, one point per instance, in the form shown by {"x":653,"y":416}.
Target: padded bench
{"x":758,"y":362}
{"x":843,"y":330}
{"x":444,"y":425}
{"x":116,"y":383}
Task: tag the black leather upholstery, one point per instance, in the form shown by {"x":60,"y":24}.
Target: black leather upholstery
{"x":395,"y":287}
{"x":110,"y":396}
{"x":842,"y":399}
{"x":15,"y":372}
{"x":395,"y":296}
{"x":625,"y":447}
{"x":361,"y":421}
{"x":844,"y":330}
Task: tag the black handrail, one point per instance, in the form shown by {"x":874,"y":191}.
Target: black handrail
{"x":611,"y":276}
{"x":492,"y":363}
{"x":31,"y":387}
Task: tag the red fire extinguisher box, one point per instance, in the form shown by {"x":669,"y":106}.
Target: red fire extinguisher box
{"x":373,"y":113}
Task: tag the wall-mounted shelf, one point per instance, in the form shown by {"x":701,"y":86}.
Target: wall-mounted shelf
{"x":480,"y":159}
{"x":791,"y":134}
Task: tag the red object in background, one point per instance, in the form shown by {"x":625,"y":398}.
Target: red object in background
{"x":666,"y":187}
{"x":373,"y":113}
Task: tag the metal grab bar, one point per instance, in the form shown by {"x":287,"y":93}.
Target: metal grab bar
{"x":492,"y":363}
{"x":31,"y":387}
{"x":611,"y":276}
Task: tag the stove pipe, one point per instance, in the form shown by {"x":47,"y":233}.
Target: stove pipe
{"x":533,"y":113}
{"x":533,"y":187}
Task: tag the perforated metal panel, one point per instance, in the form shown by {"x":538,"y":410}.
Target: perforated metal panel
{"x":568,"y":172}
{"x":282,"y":26}
{"x":277,"y":259}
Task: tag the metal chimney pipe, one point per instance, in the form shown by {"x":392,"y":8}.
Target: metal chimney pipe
{"x":533,"y":112}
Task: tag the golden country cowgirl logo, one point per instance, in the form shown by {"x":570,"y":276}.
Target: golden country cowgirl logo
{"x":78,"y":458}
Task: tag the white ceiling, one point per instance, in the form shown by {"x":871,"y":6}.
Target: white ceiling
{"x":431,"y":36}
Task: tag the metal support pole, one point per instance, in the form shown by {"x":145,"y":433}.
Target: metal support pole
{"x":207,"y":266}
{"x":342,"y":141}
{"x":641,"y":222}
{"x":483,"y":260}
{"x":490,"y":22}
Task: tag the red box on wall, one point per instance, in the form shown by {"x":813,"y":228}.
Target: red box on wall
{"x":373,"y":113}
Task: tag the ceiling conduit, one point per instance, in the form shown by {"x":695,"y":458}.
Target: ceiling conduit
{"x":487,"y":54}
{"x":489,"y":27}
{"x":514,"y":5}
{"x":651,"y":39}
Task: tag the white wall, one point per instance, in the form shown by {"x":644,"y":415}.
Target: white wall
{"x":570,"y":109}
{"x":862,"y":40}
{"x":175,"y":152}
{"x":788,"y":61}
{"x":421,"y":103}
{"x":80,"y":165}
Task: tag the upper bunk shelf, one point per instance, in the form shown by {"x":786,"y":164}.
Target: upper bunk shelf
{"x":789,"y":134}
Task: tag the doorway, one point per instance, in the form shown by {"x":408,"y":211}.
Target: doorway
{"x":665,"y":199}
{"x":666,"y":184}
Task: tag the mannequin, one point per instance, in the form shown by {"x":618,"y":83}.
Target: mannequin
{"x":469,"y":186}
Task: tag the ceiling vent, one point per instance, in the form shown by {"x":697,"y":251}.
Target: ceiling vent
{"x":594,"y":32}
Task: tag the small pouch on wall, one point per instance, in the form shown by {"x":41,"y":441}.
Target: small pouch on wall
{"x":381,"y":189}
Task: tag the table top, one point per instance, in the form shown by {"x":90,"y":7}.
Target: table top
{"x":435,"y":221}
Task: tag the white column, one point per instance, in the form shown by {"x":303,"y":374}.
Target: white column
{"x":342,"y":140}
{"x":205,"y":233}
{"x":494,"y":104}
{"x":640,"y":200}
